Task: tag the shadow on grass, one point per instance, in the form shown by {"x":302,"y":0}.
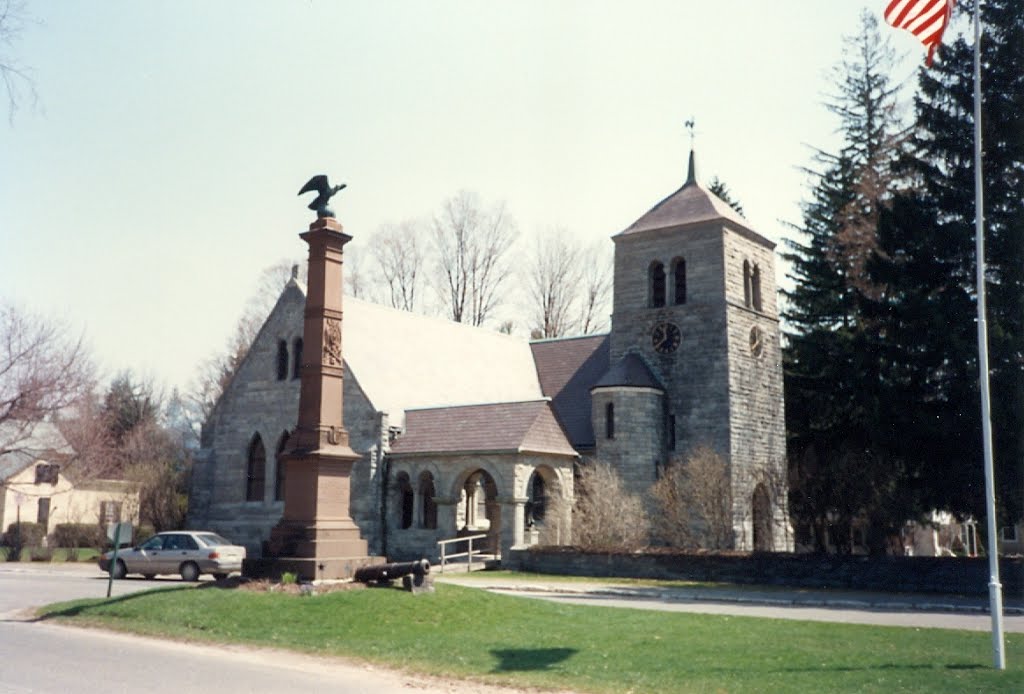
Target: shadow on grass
{"x":513,"y":659}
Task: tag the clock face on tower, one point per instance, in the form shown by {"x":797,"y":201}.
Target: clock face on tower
{"x":665,"y":338}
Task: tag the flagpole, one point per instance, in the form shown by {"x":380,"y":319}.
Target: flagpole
{"x":995,"y":595}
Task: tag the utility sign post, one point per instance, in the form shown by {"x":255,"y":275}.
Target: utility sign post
{"x":115,"y":531}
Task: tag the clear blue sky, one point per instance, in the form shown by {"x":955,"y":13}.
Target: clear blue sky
{"x":159,"y":174}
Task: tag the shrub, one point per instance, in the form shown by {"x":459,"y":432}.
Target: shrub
{"x":21,"y":535}
{"x":607,"y":517}
{"x":41,"y":554}
{"x":694,"y":502}
{"x":78,"y":535}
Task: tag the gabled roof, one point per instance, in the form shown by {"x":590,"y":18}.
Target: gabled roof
{"x":630,"y":372}
{"x":30,"y":443}
{"x":691,"y":204}
{"x":404,"y":361}
{"x":567,"y":369}
{"x":504,"y":427}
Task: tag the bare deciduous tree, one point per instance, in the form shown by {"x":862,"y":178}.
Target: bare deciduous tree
{"x":695,"y":502}
{"x":17,"y":78}
{"x":472,"y":243}
{"x":607,"y":516}
{"x":400,"y":251}
{"x":43,"y":370}
{"x":596,"y":287}
{"x":552,"y":277}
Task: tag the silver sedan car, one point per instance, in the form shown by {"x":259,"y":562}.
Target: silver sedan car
{"x":186,"y":552}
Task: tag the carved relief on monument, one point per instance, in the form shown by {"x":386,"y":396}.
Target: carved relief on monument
{"x":332,"y":342}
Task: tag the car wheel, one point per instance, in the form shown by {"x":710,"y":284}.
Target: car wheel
{"x":149,"y":577}
{"x":220,"y":577}
{"x":189,"y":572}
{"x":118,"y":570}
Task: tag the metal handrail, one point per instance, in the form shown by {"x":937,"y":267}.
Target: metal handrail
{"x":468,"y":553}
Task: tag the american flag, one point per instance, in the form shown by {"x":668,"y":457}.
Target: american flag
{"x":925,"y":19}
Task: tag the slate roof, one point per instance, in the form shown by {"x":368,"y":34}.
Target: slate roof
{"x":691,"y":204}
{"x":43,"y":440}
{"x":491,"y":428}
{"x":567,"y":369}
{"x":405,"y":361}
{"x":630,"y":371}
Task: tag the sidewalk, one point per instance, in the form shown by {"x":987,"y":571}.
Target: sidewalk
{"x":737,"y":594}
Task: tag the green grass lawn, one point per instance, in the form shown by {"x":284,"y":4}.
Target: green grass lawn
{"x":465,"y":632}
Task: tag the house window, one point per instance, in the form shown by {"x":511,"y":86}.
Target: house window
{"x":43,"y":515}
{"x":282,"y":360}
{"x":609,"y":421}
{"x":297,"y":358}
{"x":47,"y":473}
{"x":657,"y":279}
{"x":110,"y":512}
{"x":1008,"y":533}
{"x":755,"y":287}
{"x":256,"y":470}
{"x":679,"y":281}
{"x":279,"y":468}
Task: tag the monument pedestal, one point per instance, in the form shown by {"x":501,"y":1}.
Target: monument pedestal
{"x":316,"y":538}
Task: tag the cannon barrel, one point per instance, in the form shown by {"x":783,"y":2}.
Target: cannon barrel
{"x":389,"y":572}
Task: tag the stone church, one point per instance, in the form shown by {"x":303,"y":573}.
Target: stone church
{"x":463,"y":431}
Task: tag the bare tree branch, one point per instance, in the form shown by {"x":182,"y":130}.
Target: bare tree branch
{"x":553,"y":280}
{"x":400,"y":252}
{"x":17,"y":79}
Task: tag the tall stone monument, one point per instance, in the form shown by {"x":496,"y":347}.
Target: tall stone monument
{"x":316,"y":537}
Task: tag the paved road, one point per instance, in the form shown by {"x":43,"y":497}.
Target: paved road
{"x":854,"y":607}
{"x":44,"y":658}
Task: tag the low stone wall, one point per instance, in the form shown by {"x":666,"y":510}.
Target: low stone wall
{"x":890,"y":574}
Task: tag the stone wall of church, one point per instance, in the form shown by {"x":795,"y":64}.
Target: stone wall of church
{"x":637,"y":447}
{"x":257,"y":402}
{"x":757,"y":415}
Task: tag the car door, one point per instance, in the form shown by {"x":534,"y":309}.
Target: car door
{"x":145,"y":559}
{"x":178,"y":549}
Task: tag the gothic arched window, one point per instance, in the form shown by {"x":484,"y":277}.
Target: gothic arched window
{"x":746,"y":283}
{"x":279,"y":468}
{"x":405,"y":499}
{"x":679,"y":281}
{"x":657,"y":281}
{"x":282,"y":360}
{"x":755,"y":287}
{"x":609,"y":420}
{"x":255,"y":469}
{"x":297,"y":358}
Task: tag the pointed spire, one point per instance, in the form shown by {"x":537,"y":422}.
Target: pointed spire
{"x":691,"y":174}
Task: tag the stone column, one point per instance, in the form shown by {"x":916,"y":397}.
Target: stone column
{"x":513,"y":525}
{"x":316,"y":537}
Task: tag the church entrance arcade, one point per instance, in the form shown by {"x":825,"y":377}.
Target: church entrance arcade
{"x":478,"y":511}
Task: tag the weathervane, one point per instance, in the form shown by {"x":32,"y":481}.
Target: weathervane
{"x":325,"y":192}
{"x":689,"y":126}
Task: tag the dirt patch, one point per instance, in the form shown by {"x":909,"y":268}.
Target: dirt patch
{"x":266,"y":586}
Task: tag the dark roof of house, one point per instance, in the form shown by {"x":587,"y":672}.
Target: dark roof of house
{"x":567,"y":369}
{"x":529,"y":427}
{"x":691,"y":204}
{"x":630,"y":371}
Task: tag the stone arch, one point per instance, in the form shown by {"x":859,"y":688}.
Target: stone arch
{"x":405,"y":498}
{"x":279,"y":467}
{"x":255,"y":468}
{"x":678,"y":281}
{"x":427,"y":490}
{"x":761,"y":510}
{"x":547,"y":509}
{"x":478,"y":510}
{"x":656,"y":284}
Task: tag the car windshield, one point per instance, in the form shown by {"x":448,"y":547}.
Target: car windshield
{"x":211,"y":540}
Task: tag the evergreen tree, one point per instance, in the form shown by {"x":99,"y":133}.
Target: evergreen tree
{"x":928,"y":263}
{"x":838,"y":410}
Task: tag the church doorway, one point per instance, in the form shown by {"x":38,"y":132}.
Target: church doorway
{"x":761,"y":506}
{"x":478,"y":510}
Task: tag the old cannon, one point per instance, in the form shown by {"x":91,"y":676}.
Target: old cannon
{"x":415,"y":575}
